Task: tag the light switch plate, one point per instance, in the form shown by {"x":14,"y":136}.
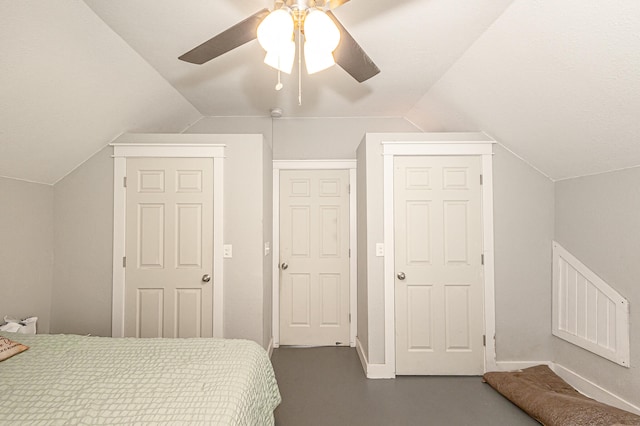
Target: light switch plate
{"x":379,"y":249}
{"x":267,"y":248}
{"x":227,"y":251}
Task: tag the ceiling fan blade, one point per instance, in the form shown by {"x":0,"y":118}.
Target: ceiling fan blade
{"x":227,"y":40}
{"x":333,"y":4}
{"x":351,"y":57}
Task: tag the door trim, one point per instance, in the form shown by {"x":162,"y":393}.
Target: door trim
{"x":469,"y":147}
{"x":353,"y":260}
{"x":190,"y":149}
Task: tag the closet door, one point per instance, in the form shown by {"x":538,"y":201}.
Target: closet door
{"x":169,"y":247}
{"x":438,"y":267}
{"x":314,"y":257}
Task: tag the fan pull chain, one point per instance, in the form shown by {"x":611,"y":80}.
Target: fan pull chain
{"x":279,"y":85}
{"x":299,"y":66}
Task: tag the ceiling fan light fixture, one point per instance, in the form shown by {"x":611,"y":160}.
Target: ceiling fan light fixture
{"x":276,"y":30}
{"x":320,"y":29}
{"x":282,"y":58}
{"x":317,"y":58}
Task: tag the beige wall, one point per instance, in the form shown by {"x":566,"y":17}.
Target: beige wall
{"x":597,"y":221}
{"x":26,"y":250}
{"x":523,"y":209}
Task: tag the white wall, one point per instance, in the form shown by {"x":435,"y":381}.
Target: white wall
{"x":523,"y":220}
{"x":83,"y":224}
{"x":597,"y":221}
{"x":26,"y":250}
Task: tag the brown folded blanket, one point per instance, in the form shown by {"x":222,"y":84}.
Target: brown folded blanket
{"x":553,"y":402}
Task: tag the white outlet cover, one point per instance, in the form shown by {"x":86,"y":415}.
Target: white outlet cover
{"x":379,"y":249}
{"x":227,"y":251}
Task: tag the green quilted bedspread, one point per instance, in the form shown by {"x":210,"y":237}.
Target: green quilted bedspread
{"x":67,"y":379}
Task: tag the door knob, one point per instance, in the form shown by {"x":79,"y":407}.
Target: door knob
{"x":284,"y":266}
{"x":401,"y":276}
{"x":206,"y":278}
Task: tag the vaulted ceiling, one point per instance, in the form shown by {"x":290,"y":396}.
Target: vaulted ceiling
{"x":413,"y":41}
{"x":557,"y":82}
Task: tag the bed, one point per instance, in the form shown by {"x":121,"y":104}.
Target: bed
{"x":68,"y":379}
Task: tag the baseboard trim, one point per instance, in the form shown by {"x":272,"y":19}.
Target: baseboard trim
{"x":373,"y":371}
{"x":270,"y":348}
{"x":592,"y":390}
{"x":580,"y":383}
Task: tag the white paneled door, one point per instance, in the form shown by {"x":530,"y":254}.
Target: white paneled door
{"x":314,"y":257}
{"x":438,"y":267}
{"x":169,"y":247}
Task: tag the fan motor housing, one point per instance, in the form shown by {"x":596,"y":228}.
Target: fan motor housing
{"x":304,"y":4}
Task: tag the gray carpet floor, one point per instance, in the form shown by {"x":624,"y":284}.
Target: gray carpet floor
{"x":327,"y":386}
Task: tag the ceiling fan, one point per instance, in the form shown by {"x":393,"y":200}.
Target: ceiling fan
{"x":348,"y":53}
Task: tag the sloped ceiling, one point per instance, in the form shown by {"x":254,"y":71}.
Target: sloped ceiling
{"x":557,"y":82}
{"x":413,"y":42}
{"x":554,"y":81}
{"x":68,"y":86}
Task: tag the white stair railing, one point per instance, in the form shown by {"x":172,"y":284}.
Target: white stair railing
{"x":587,"y":311}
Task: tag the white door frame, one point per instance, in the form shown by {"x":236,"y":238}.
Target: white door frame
{"x":353,"y":260}
{"x":164,"y":146}
{"x":482,"y":148}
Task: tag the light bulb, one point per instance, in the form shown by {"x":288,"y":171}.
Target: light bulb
{"x":282,"y":58}
{"x":321,"y":30}
{"x":276,"y":29}
{"x":317,"y":57}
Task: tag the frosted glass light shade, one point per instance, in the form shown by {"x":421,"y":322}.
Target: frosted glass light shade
{"x":317,"y":57}
{"x":321,"y":30}
{"x":282,"y":58}
{"x":276,"y":30}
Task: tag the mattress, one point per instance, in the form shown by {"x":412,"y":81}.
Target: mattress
{"x":68,"y":379}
